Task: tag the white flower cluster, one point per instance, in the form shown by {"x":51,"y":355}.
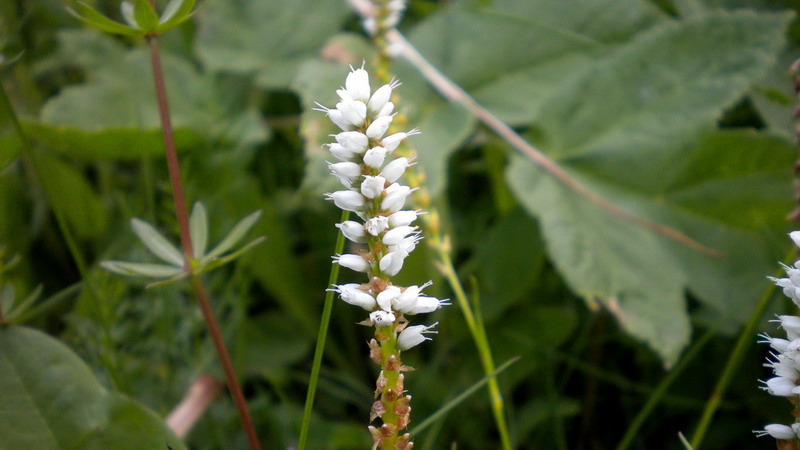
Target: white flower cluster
{"x":785,"y":361}
{"x":370,"y":175}
{"x":388,"y":16}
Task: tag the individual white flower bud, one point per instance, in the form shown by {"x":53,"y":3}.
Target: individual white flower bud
{"x":780,"y":386}
{"x":402,"y":218}
{"x":396,"y":235}
{"x":415,"y":335}
{"x":393,"y":140}
{"x":791,"y":324}
{"x":354,"y":295}
{"x":357,"y":84}
{"x":381,"y":318}
{"x":795,"y":235}
{"x":408,"y":298}
{"x":381,"y":97}
{"x":395,"y":197}
{"x":780,"y":345}
{"x":378,"y":127}
{"x":374,"y":157}
{"x":778,"y":431}
{"x":341,"y":152}
{"x":371,"y":25}
{"x":426,"y":305}
{"x":347,"y":200}
{"x":386,"y":297}
{"x":407,"y":245}
{"x":346,"y":172}
{"x":372,"y":187}
{"x":789,"y":289}
{"x":392,"y":263}
{"x":794,"y":275}
{"x":353,"y":231}
{"x":353,"y":112}
{"x":355,"y":141}
{"x":395,"y":169}
{"x":376,"y":225}
{"x":338,"y":119}
{"x":385,"y":111}
{"x":352,"y":262}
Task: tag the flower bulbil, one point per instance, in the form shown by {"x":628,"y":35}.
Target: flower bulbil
{"x":785,"y":357}
{"x":372,"y":190}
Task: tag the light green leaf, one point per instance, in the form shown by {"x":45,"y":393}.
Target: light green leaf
{"x":146,"y":17}
{"x":267,"y":38}
{"x":235,"y":235}
{"x":88,"y":15}
{"x":141,"y":269}
{"x":52,"y":400}
{"x":177,"y":12}
{"x":198,"y":229}
{"x":628,"y":130}
{"x":123,"y":144}
{"x":156,"y":242}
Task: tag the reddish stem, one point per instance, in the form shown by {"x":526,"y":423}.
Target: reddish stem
{"x":186,"y":241}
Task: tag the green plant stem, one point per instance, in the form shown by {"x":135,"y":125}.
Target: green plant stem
{"x":481,"y":341}
{"x":182,"y":216}
{"x":745,"y":340}
{"x":661,"y":390}
{"x":321,"y":336}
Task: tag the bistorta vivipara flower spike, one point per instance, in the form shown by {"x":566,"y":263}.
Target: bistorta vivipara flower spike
{"x":785,"y":357}
{"x":373,"y":191}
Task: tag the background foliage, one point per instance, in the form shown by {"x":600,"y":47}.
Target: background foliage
{"x":678,"y":112}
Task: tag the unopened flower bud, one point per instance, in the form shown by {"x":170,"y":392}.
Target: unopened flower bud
{"x":413,"y":336}
{"x":378,"y":127}
{"x":352,"y":262}
{"x":393,"y":140}
{"x":353,"y":295}
{"x":381,"y":97}
{"x":402,"y":218}
{"x":392,"y":263}
{"x":355,"y":141}
{"x":396,"y":235}
{"x":395,"y":169}
{"x":395,"y":197}
{"x":347,"y":200}
{"x":353,"y":231}
{"x":374,"y":157}
{"x":372,"y":187}
{"x":357,"y":84}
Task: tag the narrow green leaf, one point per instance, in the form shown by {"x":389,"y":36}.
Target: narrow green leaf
{"x":91,"y":17}
{"x":146,"y":16}
{"x":22,"y":307}
{"x":181,"y":13}
{"x":198,"y":229}
{"x":126,"y":8}
{"x":235,"y":235}
{"x":156,"y":242}
{"x":141,"y":269}
{"x":461,"y":397}
{"x":52,"y":400}
{"x":212,"y":262}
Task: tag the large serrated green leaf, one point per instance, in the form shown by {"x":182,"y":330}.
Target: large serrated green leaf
{"x":268,"y":38}
{"x":52,"y":400}
{"x":628,"y":131}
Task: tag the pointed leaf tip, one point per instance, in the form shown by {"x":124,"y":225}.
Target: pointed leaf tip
{"x":156,"y":242}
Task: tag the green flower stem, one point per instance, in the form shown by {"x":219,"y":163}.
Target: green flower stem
{"x":186,"y":242}
{"x":391,"y":371}
{"x":478,"y":333}
{"x":321,"y":336}
{"x":746,"y":339}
